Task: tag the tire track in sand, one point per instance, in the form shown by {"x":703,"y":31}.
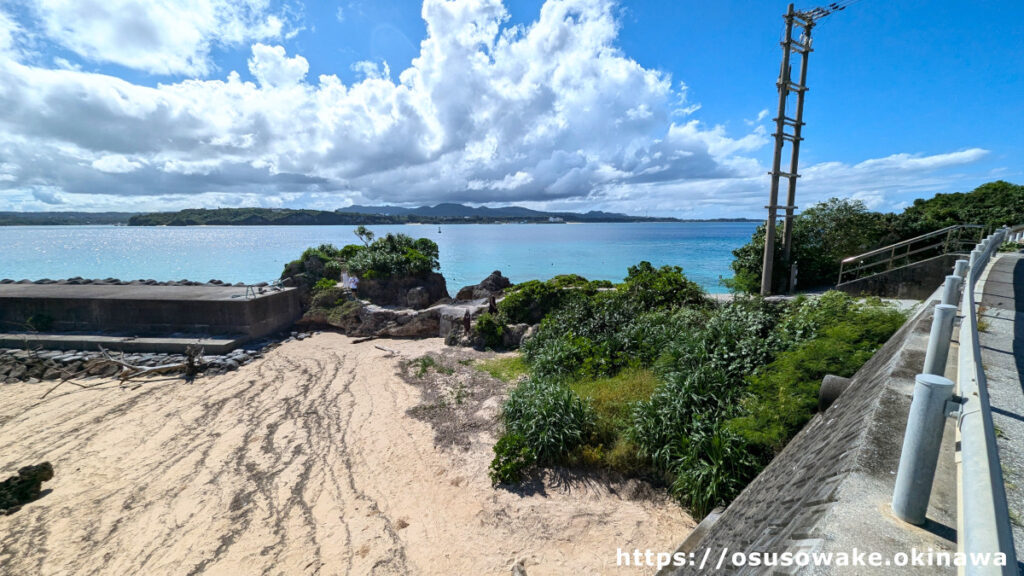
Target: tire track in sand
{"x":304,"y":462}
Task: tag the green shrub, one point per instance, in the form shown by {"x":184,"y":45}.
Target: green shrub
{"x":324,"y":284}
{"x":735,"y":339}
{"x":551,"y":418}
{"x":713,"y":467}
{"x":512,"y":457}
{"x":531,"y":301}
{"x":323,"y":252}
{"x":491,"y":329}
{"x":679,"y":431}
{"x":823,"y":235}
{"x":326,"y":296}
{"x":650,"y":288}
{"x":332,"y":270}
{"x":806,"y":317}
{"x":394,"y":255}
{"x":784,"y":396}
{"x":674,"y":410}
{"x":593,"y":337}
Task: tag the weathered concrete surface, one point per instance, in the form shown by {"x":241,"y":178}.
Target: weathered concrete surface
{"x":143,"y":310}
{"x":1001,"y":293}
{"x":830,"y":489}
{"x":916,"y":281}
{"x":166,"y":345}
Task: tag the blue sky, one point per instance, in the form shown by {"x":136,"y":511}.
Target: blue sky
{"x":642,"y":107}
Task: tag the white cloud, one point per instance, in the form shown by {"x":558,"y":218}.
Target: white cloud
{"x":550,"y":113}
{"x":271,"y":67}
{"x":156,"y":36}
{"x":115,"y":164}
{"x":339,"y":14}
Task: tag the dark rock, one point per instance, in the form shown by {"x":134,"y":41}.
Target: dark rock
{"x":19,"y":490}
{"x":52,"y":374}
{"x":530,"y":333}
{"x":513,"y":336}
{"x":492,"y":286}
{"x":418,"y":298}
{"x":394,"y":291}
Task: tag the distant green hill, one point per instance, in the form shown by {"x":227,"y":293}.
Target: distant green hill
{"x":63,"y":218}
{"x":355,"y":215}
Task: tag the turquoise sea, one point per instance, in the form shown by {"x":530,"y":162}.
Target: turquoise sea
{"x":468,"y":252}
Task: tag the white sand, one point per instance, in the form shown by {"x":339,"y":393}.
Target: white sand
{"x":304,"y":462}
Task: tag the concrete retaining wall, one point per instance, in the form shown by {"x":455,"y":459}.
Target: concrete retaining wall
{"x":148,"y":310}
{"x":915,"y":282}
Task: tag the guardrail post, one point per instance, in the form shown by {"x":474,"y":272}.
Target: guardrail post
{"x":975,"y":257}
{"x":939,"y":340}
{"x":921,"y":444}
{"x":960,"y":269}
{"x":951,"y":290}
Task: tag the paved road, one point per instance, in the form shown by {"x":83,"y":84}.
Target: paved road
{"x":1002,"y":354}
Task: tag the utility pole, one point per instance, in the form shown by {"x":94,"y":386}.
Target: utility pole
{"x":802,"y":48}
{"x":804,"y":21}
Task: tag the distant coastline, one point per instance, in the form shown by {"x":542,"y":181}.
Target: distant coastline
{"x":350,"y":216}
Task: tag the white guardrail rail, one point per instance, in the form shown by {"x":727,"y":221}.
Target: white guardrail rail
{"x":983,"y":519}
{"x":984,"y":525}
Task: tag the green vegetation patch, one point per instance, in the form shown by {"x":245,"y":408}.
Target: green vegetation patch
{"x":650,"y":378}
{"x":507,"y":369}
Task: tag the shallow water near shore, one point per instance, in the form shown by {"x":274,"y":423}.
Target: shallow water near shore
{"x":468,"y":252}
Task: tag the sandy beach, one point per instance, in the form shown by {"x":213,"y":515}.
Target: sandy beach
{"x":306,"y":461}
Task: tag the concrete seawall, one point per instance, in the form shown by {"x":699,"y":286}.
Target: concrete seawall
{"x":142,"y":310}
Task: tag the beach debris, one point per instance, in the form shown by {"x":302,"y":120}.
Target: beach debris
{"x":19,"y":490}
{"x":192,"y":365}
{"x":388,"y":350}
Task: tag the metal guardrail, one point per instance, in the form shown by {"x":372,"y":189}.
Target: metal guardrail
{"x":985,"y":522}
{"x":959,"y":239}
{"x":983,"y":526}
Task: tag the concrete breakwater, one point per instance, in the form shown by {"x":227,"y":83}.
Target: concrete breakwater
{"x":143,"y":308}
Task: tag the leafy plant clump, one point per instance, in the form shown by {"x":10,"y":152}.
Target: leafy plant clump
{"x":324,"y":284}
{"x":596,"y":335}
{"x":512,"y":457}
{"x":393,"y":255}
{"x":531,"y":301}
{"x":550,"y":417}
{"x":491,"y":329}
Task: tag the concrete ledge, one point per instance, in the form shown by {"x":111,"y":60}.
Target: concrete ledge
{"x":171,"y":345}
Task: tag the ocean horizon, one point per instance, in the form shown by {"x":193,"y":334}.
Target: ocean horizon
{"x":468,"y":252}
